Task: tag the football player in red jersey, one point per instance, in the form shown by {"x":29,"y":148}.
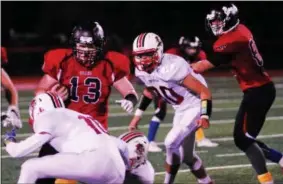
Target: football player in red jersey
{"x":236,"y":46}
{"x":190,"y":49}
{"x":12,"y":116}
{"x":83,"y":76}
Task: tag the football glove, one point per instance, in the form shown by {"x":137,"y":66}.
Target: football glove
{"x":10,"y":136}
{"x":11,"y":117}
{"x":127,"y":105}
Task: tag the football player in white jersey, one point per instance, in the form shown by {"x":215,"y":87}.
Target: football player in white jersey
{"x":86,"y":152}
{"x":170,"y":77}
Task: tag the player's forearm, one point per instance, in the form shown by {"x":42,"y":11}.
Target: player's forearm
{"x":10,"y":88}
{"x":126,"y":89}
{"x":27,"y":146}
{"x":202,"y":66}
{"x":144,"y":102}
{"x":45,"y":83}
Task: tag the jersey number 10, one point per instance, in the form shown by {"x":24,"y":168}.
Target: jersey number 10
{"x":168,"y":94}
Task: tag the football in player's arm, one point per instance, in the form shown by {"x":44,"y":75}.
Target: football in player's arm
{"x":12,"y":116}
{"x":87,"y":56}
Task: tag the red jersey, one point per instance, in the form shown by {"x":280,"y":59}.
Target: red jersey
{"x":4,"y":57}
{"x":89,"y":88}
{"x":176,"y":51}
{"x":244,"y":57}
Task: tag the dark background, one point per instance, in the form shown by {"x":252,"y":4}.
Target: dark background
{"x":31,"y":28}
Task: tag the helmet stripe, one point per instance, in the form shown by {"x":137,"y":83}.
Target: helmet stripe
{"x":143,"y":39}
{"x":56,"y":102}
{"x":131,"y":135}
{"x":140,"y":40}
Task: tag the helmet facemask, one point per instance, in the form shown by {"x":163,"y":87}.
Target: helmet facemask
{"x":147,"y":60}
{"x":86,"y":54}
{"x":216,"y":22}
{"x":88,"y":43}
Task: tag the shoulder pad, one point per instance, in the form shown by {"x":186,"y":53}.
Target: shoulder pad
{"x":121,"y":64}
{"x":174,"y":68}
{"x":230,"y":42}
{"x":52,"y":60}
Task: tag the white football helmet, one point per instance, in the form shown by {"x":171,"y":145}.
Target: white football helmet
{"x":147,"y":51}
{"x":42,"y":103}
{"x":137,"y":144}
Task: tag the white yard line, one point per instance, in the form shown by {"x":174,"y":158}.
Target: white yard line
{"x":26,"y":101}
{"x":123,"y":114}
{"x":166,"y":125}
{"x":218,"y":168}
{"x":226,"y":139}
{"x":230,"y":155}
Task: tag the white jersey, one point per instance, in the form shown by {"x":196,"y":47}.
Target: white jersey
{"x":165,"y":81}
{"x":71,"y":131}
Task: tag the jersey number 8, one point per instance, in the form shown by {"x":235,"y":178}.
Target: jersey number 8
{"x":255,"y":53}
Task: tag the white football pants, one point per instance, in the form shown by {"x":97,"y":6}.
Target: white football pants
{"x":99,"y":166}
{"x":184,"y":127}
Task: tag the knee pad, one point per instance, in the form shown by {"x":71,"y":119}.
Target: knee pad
{"x":242,"y":141}
{"x":170,"y":143}
{"x":174,"y":138}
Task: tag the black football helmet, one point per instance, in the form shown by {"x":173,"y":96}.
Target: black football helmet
{"x":190,"y":46}
{"x":222,"y":20}
{"x":87,"y":40}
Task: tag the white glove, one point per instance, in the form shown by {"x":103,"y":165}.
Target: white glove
{"x":127,"y":105}
{"x":11,"y":117}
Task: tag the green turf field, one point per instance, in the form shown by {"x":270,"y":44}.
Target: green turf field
{"x":225,"y":164}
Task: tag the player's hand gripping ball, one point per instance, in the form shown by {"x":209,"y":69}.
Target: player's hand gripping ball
{"x":60,"y":90}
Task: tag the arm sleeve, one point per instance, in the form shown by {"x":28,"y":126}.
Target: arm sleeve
{"x":225,"y":50}
{"x":28,"y":145}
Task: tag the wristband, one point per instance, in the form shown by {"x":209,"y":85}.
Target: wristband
{"x":206,"y":108}
{"x":139,"y":112}
{"x":144,"y":102}
{"x":131,"y":97}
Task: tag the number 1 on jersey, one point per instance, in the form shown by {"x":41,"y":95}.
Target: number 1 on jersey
{"x":92,"y":123}
{"x":93,"y":86}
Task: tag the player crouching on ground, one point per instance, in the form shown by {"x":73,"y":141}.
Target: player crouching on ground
{"x":85,"y":151}
{"x":133,"y":147}
{"x":170,"y":77}
{"x":236,"y":46}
